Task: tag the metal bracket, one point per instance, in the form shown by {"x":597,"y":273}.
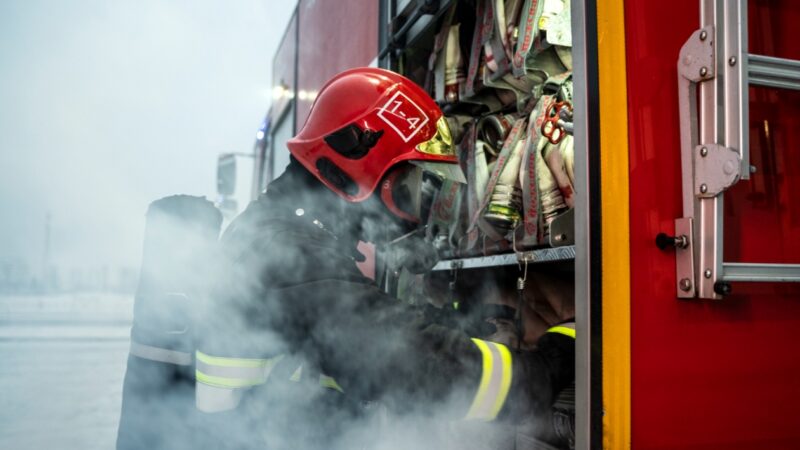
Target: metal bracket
{"x":684,"y":259}
{"x":561,"y":229}
{"x":695,"y":64}
{"x":542,"y":255}
{"x":716,"y":168}
{"x":697,"y":56}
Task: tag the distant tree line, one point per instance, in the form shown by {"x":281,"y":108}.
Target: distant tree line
{"x":17,"y":277}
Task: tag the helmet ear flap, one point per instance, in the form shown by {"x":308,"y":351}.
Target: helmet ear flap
{"x":401,"y":192}
{"x":351,"y":142}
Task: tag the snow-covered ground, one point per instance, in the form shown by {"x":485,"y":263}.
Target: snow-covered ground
{"x":62,"y":361}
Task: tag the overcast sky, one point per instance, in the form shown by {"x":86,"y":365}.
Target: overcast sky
{"x":108,"y":105}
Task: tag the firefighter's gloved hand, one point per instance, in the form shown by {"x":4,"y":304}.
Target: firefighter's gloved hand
{"x":505,"y":332}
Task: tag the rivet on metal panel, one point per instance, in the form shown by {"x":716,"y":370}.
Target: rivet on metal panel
{"x":704,"y":152}
{"x":703,"y":35}
{"x":707,"y":273}
{"x":686,"y":284}
{"x":703,"y":188}
{"x":703,"y":71}
{"x":732,"y":61}
{"x":753,"y":169}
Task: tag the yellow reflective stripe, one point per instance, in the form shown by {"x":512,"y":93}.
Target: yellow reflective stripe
{"x":330,"y":383}
{"x":297,"y":374}
{"x":566,"y":331}
{"x":226,"y":382}
{"x":505,"y":381}
{"x":495,"y":381}
{"x":232,"y":372}
{"x":230,"y":362}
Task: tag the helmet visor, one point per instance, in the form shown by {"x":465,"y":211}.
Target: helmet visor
{"x":441,"y":144}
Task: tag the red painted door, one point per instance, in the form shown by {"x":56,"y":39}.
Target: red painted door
{"x":712,"y":374}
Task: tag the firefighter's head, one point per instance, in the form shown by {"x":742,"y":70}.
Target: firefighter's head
{"x":371,"y":133}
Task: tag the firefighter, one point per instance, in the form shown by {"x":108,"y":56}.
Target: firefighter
{"x":299,"y":345}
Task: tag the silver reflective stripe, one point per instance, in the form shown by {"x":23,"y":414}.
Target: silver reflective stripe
{"x":212,"y":399}
{"x":160,"y":354}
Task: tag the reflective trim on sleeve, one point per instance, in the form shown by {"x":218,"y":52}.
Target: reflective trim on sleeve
{"x":328,"y":382}
{"x":231,"y":362}
{"x":233,"y":372}
{"x":495,"y":381}
{"x":567,"y":329}
{"x":160,"y":354}
{"x":297,"y":374}
{"x":227,"y":382}
{"x":212,"y":399}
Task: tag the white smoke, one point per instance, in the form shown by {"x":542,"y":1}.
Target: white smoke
{"x":258,"y":325}
{"x":104,"y":107}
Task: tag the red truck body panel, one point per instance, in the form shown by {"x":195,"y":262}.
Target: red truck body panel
{"x":334,"y":36}
{"x":711,"y":374}
{"x":283,"y":70}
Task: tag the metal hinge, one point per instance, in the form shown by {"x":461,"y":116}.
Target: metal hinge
{"x":716,"y":168}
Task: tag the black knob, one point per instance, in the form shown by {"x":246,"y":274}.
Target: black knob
{"x":722,"y":288}
{"x":664,"y":241}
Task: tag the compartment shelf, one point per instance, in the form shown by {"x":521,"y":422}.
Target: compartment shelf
{"x":566,"y":253}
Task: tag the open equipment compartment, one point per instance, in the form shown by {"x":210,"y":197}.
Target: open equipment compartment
{"x":503,"y":74}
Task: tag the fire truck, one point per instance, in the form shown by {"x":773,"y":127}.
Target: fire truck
{"x":681,"y":236}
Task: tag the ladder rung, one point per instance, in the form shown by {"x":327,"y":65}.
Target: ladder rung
{"x":761,"y":272}
{"x":773,"y":72}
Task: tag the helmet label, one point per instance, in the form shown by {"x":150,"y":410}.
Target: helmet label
{"x":404,"y":116}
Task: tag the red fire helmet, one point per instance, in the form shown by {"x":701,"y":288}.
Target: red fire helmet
{"x":365,"y":121}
